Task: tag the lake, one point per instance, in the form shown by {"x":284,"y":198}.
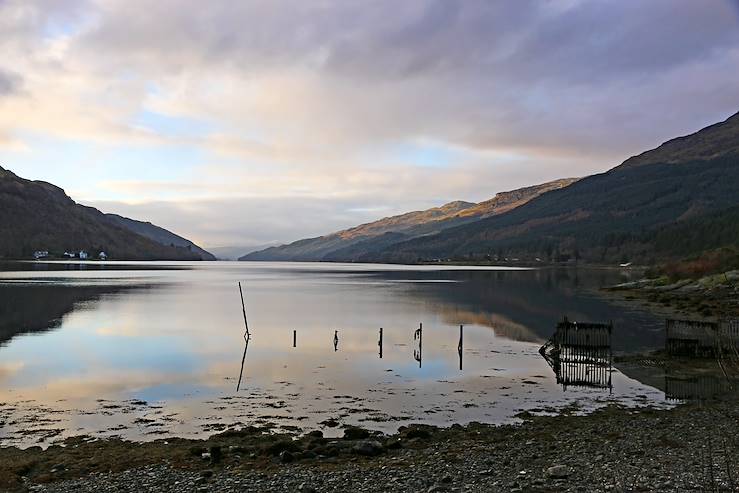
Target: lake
{"x":150,"y":350}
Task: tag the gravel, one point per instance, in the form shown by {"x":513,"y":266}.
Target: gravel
{"x":691,"y":447}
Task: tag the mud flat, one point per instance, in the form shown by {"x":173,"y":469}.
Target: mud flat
{"x":692,"y":446}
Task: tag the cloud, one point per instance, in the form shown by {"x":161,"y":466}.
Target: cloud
{"x":9,"y":82}
{"x":316,"y":104}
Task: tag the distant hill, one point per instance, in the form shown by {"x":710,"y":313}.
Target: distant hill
{"x":158,"y":234}
{"x":368,"y":239}
{"x":678,"y":199}
{"x":38,"y":216}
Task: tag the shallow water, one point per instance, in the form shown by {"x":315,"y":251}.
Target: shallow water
{"x":147,"y":350}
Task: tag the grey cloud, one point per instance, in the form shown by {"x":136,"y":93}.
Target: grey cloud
{"x":517,"y":74}
{"x":10,"y":82}
{"x":593,"y":81}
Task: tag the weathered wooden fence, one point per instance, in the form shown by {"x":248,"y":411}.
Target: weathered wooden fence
{"x":580,"y":354}
{"x":701,"y":339}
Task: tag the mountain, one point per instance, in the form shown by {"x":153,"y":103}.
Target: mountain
{"x":642,"y":210}
{"x":234,"y":252}
{"x":158,"y":234}
{"x":38,"y":216}
{"x":370,"y":238}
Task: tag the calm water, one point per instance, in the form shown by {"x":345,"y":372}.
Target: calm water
{"x":149,"y":350}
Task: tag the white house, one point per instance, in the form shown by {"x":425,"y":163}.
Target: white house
{"x":83,"y":255}
{"x":40,"y":254}
{"x":103,"y":256}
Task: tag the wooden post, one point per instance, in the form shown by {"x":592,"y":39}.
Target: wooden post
{"x":243,"y":309}
{"x":295,"y":338}
{"x":380,"y":343}
{"x":418,"y":354}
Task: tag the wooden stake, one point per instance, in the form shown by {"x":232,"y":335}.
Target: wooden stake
{"x":243,"y":309}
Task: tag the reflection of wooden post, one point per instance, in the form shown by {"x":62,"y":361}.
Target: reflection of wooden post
{"x":460,"y":347}
{"x":336,"y":340}
{"x":380,"y":343}
{"x":295,"y":338}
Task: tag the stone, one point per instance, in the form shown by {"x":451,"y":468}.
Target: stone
{"x":286,"y":457}
{"x":418,"y":433}
{"x":369,"y":448}
{"x":355,"y":433}
{"x":558,"y":472}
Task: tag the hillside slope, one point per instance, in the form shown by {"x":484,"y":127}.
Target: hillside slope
{"x":366,"y":239}
{"x":610,"y":217}
{"x":36,"y":215}
{"x":158,"y":234}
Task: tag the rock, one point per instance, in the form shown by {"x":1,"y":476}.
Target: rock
{"x":316,"y":434}
{"x":369,"y":448}
{"x":393,"y":444}
{"x":197,"y":451}
{"x":446,"y":479}
{"x":304,"y":488}
{"x":286,"y":457}
{"x":216,"y":454}
{"x":355,"y":433}
{"x":418,"y":433}
{"x":558,"y":472}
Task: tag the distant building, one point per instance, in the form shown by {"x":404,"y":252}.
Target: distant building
{"x":40,"y":254}
{"x":103,"y":256}
{"x":70,"y":254}
{"x":83,"y":255}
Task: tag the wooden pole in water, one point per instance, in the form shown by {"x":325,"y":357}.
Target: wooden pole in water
{"x":380,"y":343}
{"x":460,"y":348}
{"x":420,"y":345}
{"x":243,"y":309}
{"x":295,"y":338}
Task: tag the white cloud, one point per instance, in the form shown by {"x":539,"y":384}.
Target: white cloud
{"x":297,"y":103}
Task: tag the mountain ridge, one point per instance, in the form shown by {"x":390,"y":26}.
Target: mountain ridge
{"x":608,"y":217}
{"x":623,"y":214}
{"x":349,"y":244}
{"x":40,"y":216}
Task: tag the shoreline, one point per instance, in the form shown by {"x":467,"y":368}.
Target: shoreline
{"x":710,"y":298}
{"x":613,"y":448}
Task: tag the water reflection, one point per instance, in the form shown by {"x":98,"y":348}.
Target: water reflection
{"x":247,"y":337}
{"x":522,"y":305}
{"x":460,"y":346}
{"x":700,"y":387}
{"x":580,"y":354}
{"x":37,"y":308}
{"x":173,"y":347}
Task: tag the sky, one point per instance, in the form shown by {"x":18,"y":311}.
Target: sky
{"x":241,"y":123}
